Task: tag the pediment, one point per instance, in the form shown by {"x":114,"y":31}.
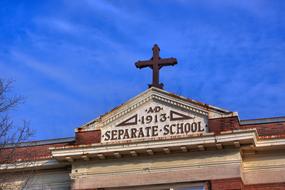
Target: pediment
{"x":155,"y":119}
{"x":155,"y":113}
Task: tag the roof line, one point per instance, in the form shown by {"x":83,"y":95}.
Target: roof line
{"x":195,"y":102}
{"x":262,"y":120}
{"x":41,"y":142}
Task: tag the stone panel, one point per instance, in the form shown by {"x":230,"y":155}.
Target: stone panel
{"x":37,"y":180}
{"x":188,"y":167}
{"x":265,"y":167}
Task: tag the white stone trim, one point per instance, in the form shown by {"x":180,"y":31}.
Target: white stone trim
{"x":62,"y":152}
{"x":270,"y":142}
{"x":236,"y":135}
{"x":153,"y":94}
{"x":31,"y":164}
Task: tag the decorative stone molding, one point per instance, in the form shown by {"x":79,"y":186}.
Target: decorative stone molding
{"x":154,"y":94}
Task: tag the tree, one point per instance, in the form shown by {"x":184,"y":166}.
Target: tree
{"x":11,"y":134}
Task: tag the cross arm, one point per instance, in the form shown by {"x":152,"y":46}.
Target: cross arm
{"x":142,"y":64}
{"x":167,"y":61}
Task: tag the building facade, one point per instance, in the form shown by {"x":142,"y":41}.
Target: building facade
{"x":156,"y":140}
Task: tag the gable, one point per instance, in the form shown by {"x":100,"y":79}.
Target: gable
{"x":154,"y":114}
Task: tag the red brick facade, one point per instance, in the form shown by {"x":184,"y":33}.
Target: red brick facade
{"x":227,"y":184}
{"x":88,"y":137}
{"x":223,"y":124}
{"x":27,"y":153}
{"x":236,"y":184}
{"x":264,"y":130}
{"x":268,"y":129}
{"x":39,"y":152}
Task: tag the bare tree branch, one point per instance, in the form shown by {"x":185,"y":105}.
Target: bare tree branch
{"x":11,"y":135}
{"x":7,"y":102}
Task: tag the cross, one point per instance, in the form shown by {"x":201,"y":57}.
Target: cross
{"x":156,"y":63}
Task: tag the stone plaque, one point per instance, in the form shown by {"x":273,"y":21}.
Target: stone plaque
{"x":155,"y":121}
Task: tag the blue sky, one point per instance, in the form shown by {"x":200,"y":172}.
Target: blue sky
{"x":74,"y":60}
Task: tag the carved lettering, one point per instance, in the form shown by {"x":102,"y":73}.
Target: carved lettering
{"x":155,"y":122}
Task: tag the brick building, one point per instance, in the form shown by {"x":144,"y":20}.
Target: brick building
{"x":156,"y":141}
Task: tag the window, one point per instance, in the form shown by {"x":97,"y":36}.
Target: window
{"x":190,"y":187}
{"x":183,"y":186}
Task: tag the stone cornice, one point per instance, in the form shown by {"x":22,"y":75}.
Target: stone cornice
{"x":237,"y":137}
{"x":39,"y":164}
{"x":270,"y":143}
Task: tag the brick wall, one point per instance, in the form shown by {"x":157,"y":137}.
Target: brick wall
{"x":276,"y":186}
{"x":88,"y":137}
{"x":237,"y":184}
{"x":223,"y":124}
{"x":27,"y":153}
{"x":227,"y":184}
{"x":266,"y":130}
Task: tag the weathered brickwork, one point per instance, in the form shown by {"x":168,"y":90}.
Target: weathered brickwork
{"x":276,"y":186}
{"x":237,"y":184}
{"x":267,"y":129}
{"x":28,"y":153}
{"x":264,"y":130}
{"x":88,"y":137}
{"x":223,"y":124}
{"x":227,"y":184}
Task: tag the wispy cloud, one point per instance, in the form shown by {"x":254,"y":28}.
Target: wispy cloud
{"x":231,"y":54}
{"x":59,"y":25}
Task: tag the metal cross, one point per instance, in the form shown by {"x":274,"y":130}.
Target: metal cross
{"x":156,"y":63}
